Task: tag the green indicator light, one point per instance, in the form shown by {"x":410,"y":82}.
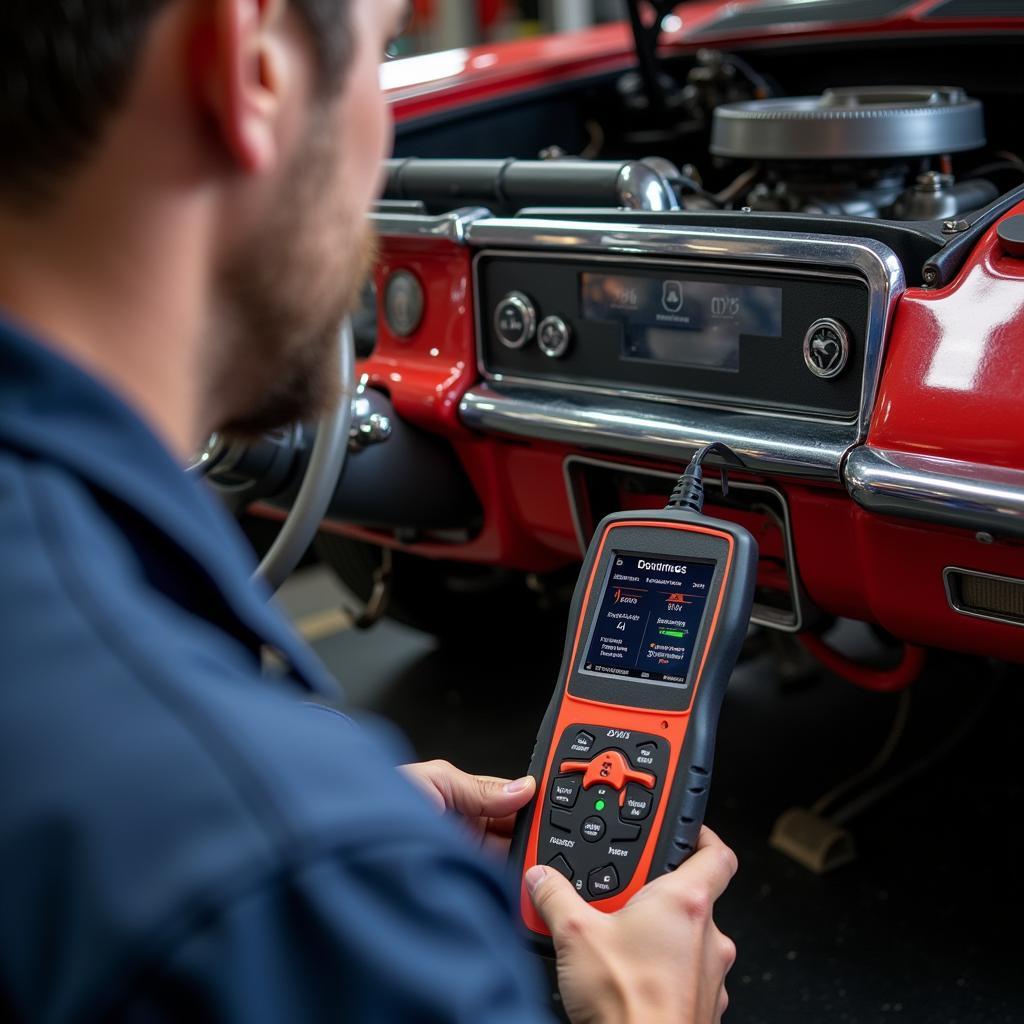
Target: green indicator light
{"x":599,"y":806}
{"x":672,"y":632}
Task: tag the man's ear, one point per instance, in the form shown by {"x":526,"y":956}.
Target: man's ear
{"x":243,"y":69}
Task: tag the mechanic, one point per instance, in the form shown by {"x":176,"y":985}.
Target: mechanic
{"x":183,"y":196}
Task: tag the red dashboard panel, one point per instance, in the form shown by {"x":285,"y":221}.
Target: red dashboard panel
{"x":427,"y":374}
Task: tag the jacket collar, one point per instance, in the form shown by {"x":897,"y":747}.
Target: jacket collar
{"x":54,"y":411}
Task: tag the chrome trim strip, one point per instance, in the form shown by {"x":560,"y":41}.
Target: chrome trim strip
{"x":875,"y":262}
{"x":450,"y":227}
{"x":962,"y":494}
{"x":761,"y":618}
{"x":990,"y":617}
{"x":767,"y":444}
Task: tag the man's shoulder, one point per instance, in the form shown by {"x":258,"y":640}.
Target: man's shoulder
{"x":105,"y":674}
{"x":146,"y":766}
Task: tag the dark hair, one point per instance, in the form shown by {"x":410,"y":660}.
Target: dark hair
{"x":66,"y":65}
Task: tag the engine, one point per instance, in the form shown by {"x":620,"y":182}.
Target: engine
{"x":873,"y":151}
{"x":867,"y":152}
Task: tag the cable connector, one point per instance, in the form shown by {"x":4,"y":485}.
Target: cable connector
{"x":688,"y":493}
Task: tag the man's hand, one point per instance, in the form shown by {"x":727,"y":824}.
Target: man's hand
{"x":487,"y":804}
{"x":659,"y":959}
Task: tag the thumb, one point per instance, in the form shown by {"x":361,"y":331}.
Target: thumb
{"x":553,"y":896}
{"x":482,"y":796}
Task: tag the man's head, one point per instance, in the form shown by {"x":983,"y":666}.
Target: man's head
{"x":260,"y":121}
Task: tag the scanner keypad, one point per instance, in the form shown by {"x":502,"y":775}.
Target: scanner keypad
{"x":598,"y":810}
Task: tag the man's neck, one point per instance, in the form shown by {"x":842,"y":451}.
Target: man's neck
{"x":117,"y":290}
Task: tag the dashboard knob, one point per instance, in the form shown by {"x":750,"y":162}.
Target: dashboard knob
{"x":403,"y":303}
{"x":515,"y":320}
{"x":826,"y":348}
{"x":553,"y":336}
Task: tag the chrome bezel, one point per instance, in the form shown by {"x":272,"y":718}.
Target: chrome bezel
{"x":795,"y":252}
{"x":664,"y":398}
{"x":203,"y":460}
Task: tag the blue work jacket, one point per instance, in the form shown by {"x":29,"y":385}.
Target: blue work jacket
{"x":181,"y":836}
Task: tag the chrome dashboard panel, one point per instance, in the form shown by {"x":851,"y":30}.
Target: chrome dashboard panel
{"x":873,"y":261}
{"x":987,"y":499}
{"x":767,"y":444}
{"x":553,"y":268}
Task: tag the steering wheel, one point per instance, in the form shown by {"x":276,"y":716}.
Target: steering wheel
{"x":272,"y":456}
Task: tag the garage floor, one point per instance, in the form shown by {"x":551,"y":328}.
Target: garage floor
{"x":926,"y":923}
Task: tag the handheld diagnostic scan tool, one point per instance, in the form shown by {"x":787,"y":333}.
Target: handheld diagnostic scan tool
{"x":623,"y":757}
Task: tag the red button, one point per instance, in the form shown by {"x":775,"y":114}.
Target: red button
{"x":609,"y":768}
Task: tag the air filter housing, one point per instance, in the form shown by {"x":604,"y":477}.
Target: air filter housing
{"x":868,"y":122}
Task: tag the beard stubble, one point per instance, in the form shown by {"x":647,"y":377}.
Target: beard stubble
{"x":286,"y":295}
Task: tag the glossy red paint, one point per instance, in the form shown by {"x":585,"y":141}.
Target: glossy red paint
{"x":954,"y":376}
{"x":428,"y":373}
{"x":435,"y":83}
{"x":420,"y":86}
{"x":951,"y":387}
{"x":825,"y":539}
{"x":902,"y":580}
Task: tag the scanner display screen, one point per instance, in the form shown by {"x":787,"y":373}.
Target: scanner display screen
{"x":649,"y":618}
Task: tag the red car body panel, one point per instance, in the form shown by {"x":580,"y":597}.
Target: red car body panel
{"x":954,"y":377}
{"x":434,"y":84}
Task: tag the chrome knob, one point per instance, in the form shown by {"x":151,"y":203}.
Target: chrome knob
{"x":515,"y":320}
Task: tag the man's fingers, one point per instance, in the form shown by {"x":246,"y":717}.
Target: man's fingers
{"x":423,"y":776}
{"x":481,"y":796}
{"x":709,"y":838}
{"x":723,"y":1004}
{"x":556,"y":900}
{"x":705,"y":875}
{"x":474,"y":796}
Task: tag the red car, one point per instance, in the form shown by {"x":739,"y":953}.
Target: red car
{"x":795,"y":227}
